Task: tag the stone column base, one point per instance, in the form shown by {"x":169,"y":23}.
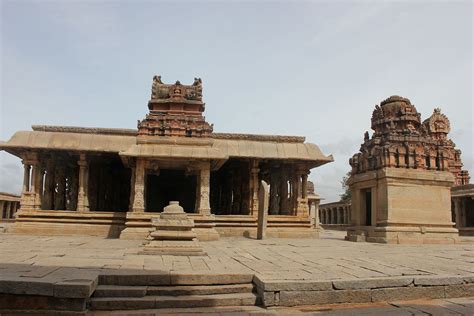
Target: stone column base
{"x":403,"y":235}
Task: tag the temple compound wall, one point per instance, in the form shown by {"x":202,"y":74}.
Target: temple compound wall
{"x":110,"y":182}
{"x":335,"y":215}
{"x":9,"y":204}
{"x":462,"y":206}
{"x":402,"y":177}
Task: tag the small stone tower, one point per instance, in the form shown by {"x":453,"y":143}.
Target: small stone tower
{"x":402,"y":176}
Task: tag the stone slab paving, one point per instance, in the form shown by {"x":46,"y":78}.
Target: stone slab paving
{"x":328,"y":258}
{"x":296,"y":267}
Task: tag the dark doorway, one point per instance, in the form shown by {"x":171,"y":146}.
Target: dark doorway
{"x":170,"y":185}
{"x":469,"y":211}
{"x":109,"y":184}
{"x":368,"y":207}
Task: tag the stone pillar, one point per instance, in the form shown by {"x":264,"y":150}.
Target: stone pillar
{"x":254,"y":170}
{"x":26,"y":177}
{"x":47,"y":201}
{"x":27,"y":195}
{"x":293,"y":194}
{"x":284,"y":205}
{"x":302,"y":200}
{"x":59,"y":196}
{"x":262,"y":210}
{"x":2,"y":210}
{"x":236,"y":191}
{"x":83,"y":192}
{"x":204,"y":182}
{"x":139,"y":186}
{"x":274,"y":207}
{"x":304,"y":186}
{"x":11,"y":210}
{"x":132,"y":188}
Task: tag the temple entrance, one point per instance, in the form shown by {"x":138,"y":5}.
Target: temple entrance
{"x":170,"y":185}
{"x":469,"y":211}
{"x":367,"y":194}
{"x":109,"y":184}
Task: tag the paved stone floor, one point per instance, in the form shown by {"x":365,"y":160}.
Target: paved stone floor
{"x":327,"y":258}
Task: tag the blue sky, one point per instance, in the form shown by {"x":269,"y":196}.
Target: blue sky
{"x":310,"y":68}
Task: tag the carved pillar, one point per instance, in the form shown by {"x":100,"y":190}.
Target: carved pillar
{"x":26,"y":176}
{"x":37,"y":189}
{"x":294,"y":194}
{"x":139,"y":186}
{"x":204,"y":180}
{"x":302,"y":207}
{"x":254,"y":170}
{"x":36,"y":184}
{"x":284,"y":205}
{"x":47,"y":201}
{"x":274,"y":207}
{"x":26,"y":202}
{"x":132,"y":187}
{"x":59,"y":196}
{"x":2,"y":209}
{"x":83,"y":195}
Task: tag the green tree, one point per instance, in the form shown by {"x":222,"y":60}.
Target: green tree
{"x":346,"y":196}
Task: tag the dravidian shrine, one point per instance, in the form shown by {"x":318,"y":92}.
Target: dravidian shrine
{"x":402,"y":177}
{"x":111,"y":182}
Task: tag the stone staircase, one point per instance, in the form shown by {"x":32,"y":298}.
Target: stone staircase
{"x":122,"y":293}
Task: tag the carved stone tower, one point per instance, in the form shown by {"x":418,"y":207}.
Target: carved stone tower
{"x":402,"y":176}
{"x":175,"y":110}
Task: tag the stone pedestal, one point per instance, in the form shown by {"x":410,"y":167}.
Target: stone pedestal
{"x":399,"y":205}
{"x":173,"y":234}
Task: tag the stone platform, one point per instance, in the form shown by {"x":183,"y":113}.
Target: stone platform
{"x":62,"y":273}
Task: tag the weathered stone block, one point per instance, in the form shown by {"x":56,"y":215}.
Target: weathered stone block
{"x":211,"y":278}
{"x":371,"y":283}
{"x":294,"y":298}
{"x":462,"y":290}
{"x":75,"y":288}
{"x":38,"y":303}
{"x":27,"y":287}
{"x":301,"y":285}
{"x":438,"y":280}
{"x":407,"y":293}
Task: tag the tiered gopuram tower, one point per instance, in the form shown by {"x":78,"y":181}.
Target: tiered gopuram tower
{"x":175,"y":110}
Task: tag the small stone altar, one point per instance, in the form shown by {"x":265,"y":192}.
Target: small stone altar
{"x":173,"y":234}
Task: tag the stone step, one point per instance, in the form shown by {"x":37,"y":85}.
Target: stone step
{"x":141,"y":291}
{"x":199,"y":289}
{"x":150,"y":302}
{"x":120,"y":291}
{"x":181,"y":278}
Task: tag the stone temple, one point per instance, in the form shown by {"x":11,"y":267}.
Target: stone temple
{"x":402,"y":177}
{"x":111,"y":182}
